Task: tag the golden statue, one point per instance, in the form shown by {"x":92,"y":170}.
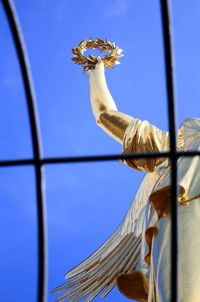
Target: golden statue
{"x":136,"y":257}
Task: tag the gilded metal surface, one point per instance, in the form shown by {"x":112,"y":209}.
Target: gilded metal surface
{"x":89,"y":63}
{"x":103,"y":106}
{"x":142,"y":242}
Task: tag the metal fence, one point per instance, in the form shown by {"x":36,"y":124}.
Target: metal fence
{"x":38,"y":161}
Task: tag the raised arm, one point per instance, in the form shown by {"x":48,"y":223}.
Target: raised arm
{"x":136,"y":136}
{"x":103,"y":106}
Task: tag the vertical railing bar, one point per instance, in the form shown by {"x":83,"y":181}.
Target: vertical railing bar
{"x":170,"y":83}
{"x":32,"y":112}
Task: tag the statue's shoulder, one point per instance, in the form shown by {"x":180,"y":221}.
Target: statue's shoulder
{"x":191,"y":123}
{"x":189,"y":133}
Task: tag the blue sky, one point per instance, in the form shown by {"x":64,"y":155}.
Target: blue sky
{"x":85,"y":202}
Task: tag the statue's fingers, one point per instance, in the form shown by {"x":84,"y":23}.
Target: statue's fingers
{"x":88,"y":71}
{"x":99,"y":60}
{"x":100,"y":64}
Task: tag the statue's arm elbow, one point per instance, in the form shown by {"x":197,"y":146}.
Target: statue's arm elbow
{"x":114,"y":123}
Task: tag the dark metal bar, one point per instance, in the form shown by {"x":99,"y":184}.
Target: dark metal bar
{"x":38,"y":162}
{"x":169,"y":70}
{"x":32,"y":112}
{"x":79,"y":159}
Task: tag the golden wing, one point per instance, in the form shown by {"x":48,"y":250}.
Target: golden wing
{"x":119,"y":254}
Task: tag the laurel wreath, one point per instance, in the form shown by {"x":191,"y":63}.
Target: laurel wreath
{"x":109,"y":60}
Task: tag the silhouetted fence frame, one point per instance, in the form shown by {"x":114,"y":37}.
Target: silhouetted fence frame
{"x":38,"y":161}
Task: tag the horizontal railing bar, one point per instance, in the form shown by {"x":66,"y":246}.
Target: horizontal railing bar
{"x":74,"y":159}
{"x":16,"y":162}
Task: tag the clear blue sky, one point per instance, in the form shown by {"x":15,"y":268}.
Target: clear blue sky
{"x":85,"y":202}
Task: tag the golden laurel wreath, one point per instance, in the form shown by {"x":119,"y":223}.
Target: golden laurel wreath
{"x":109,"y":60}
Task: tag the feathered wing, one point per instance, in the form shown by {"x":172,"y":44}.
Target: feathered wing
{"x":119,"y":254}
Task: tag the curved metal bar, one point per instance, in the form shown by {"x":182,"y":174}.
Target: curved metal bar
{"x":32,"y":112}
{"x":170,"y":83}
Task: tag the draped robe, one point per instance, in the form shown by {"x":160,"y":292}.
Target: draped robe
{"x":155,"y":254}
{"x":136,"y":257}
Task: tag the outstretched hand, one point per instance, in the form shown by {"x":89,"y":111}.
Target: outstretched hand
{"x":99,"y":68}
